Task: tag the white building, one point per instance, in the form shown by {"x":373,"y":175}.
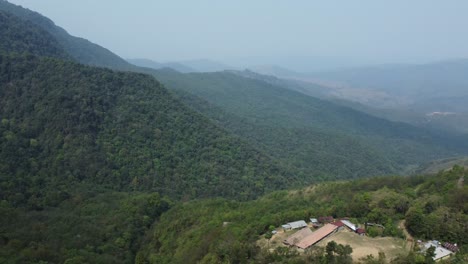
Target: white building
{"x":440,"y":252}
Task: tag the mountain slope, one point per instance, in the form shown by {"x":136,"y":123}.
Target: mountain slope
{"x":84,"y":151}
{"x":19,"y":36}
{"x":321,"y":138}
{"x":156,"y":65}
{"x":434,"y":207}
{"x":80,"y":49}
{"x":119,"y":129}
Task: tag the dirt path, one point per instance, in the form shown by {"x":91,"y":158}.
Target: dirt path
{"x":409,"y":237}
{"x":460,"y":182}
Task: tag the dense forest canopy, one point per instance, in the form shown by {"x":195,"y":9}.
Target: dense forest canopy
{"x":19,"y":36}
{"x":106,"y":166}
{"x":79,"y":49}
{"x":62,"y":121}
{"x":322,"y":139}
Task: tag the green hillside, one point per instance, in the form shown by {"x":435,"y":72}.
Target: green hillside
{"x":62,"y":121}
{"x":79,"y":49}
{"x":85,"y":152}
{"x":19,"y":36}
{"x":435,"y":207}
{"x":320,"y":138}
{"x":102,"y":166}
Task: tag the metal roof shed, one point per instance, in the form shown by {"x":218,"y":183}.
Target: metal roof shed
{"x":298,"y":224}
{"x":349,"y":225}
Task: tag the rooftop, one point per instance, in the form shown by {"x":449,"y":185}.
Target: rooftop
{"x":297,"y":224}
{"x":349,"y":224}
{"x":440,"y":252}
{"x":298,"y":236}
{"x":316,"y":236}
{"x":338,"y":223}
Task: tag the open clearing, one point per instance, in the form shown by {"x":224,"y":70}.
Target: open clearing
{"x":363,"y":245}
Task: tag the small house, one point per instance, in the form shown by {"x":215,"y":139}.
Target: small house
{"x":440,"y":252}
{"x":294,"y":225}
{"x":315,"y":223}
{"x":360,"y":231}
{"x":451,"y":247}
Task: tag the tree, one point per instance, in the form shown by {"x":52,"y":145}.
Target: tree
{"x":330,"y":249}
{"x":430,"y":254}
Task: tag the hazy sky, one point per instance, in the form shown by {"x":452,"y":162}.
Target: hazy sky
{"x":371,"y":30}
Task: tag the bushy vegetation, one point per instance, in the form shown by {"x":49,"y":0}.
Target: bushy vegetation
{"x":222,"y":231}
{"x":88,"y":224}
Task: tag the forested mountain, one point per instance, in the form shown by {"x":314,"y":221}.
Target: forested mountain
{"x":85,"y":152}
{"x":79,"y":49}
{"x":62,"y":120}
{"x":321,"y":138}
{"x":102,"y":166}
{"x":20,"y":36}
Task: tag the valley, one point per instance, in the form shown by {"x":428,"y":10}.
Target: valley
{"x":106,"y":160}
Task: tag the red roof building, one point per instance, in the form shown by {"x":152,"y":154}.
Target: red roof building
{"x":316,"y":236}
{"x":451,"y":247}
{"x":338,"y":223}
{"x":360,"y":231}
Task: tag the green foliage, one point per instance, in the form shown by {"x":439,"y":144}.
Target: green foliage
{"x":94,"y":225}
{"x":71,"y":123}
{"x":194,"y":230}
{"x":20,"y":36}
{"x":319,"y":139}
{"x":79,"y":49}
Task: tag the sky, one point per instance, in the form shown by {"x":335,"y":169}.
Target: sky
{"x":268,"y":31}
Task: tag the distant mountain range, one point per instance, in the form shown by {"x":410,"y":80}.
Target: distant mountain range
{"x":408,"y":93}
{"x":183,"y":66}
{"x":439,"y":86}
